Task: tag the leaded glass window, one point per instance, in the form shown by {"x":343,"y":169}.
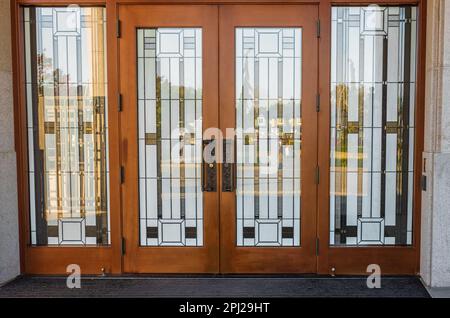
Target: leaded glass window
{"x":268,"y":122}
{"x":373,"y":79}
{"x":65,"y":64}
{"x":170,"y":136}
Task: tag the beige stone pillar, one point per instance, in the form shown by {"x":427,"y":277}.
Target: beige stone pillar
{"x":435,"y":241}
{"x":9,"y":230}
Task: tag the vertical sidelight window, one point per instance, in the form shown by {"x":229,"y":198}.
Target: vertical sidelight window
{"x":65,"y":74}
{"x":170,"y":136}
{"x":373,"y":80}
{"x":268,"y":124}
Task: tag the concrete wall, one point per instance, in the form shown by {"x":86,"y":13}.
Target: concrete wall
{"x":9,"y":229}
{"x":435,"y":245}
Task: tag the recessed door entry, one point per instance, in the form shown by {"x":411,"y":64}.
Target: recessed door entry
{"x":219,"y":136}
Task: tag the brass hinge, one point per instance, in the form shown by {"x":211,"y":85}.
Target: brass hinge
{"x":118,"y":28}
{"x":317,"y":246}
{"x":318,"y":103}
{"x":123,"y":246}
{"x":119,"y":102}
{"x":317,"y":176}
{"x":318,"y":28}
{"x":122,"y":174}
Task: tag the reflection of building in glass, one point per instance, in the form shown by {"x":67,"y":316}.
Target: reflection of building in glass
{"x":372,"y":125}
{"x":67,"y":125}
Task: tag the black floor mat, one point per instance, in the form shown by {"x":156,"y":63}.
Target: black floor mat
{"x":215,"y":286}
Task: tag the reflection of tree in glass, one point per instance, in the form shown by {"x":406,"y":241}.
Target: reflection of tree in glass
{"x":341,"y":124}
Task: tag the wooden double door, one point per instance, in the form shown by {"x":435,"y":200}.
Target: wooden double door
{"x":219,"y":138}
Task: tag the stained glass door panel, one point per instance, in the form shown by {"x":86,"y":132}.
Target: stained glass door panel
{"x":268,"y":127}
{"x":268,"y":221}
{"x":170,"y":136}
{"x":373,"y":78}
{"x":67,"y":123}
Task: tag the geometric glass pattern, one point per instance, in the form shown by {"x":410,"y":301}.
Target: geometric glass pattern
{"x":170,"y":136}
{"x":268,"y":131}
{"x":373,"y":84}
{"x":65,"y":69}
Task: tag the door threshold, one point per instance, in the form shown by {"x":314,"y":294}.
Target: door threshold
{"x":214,"y":276}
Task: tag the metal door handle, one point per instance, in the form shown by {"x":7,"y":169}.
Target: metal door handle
{"x":209,"y":169}
{"x":228,"y":166}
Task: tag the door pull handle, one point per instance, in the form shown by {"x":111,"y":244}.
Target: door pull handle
{"x":209,"y":169}
{"x":228,"y":166}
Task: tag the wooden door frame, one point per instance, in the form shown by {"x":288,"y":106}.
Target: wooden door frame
{"x":354,"y":260}
{"x":50,"y":259}
{"x":346,"y":260}
{"x":167,"y":259}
